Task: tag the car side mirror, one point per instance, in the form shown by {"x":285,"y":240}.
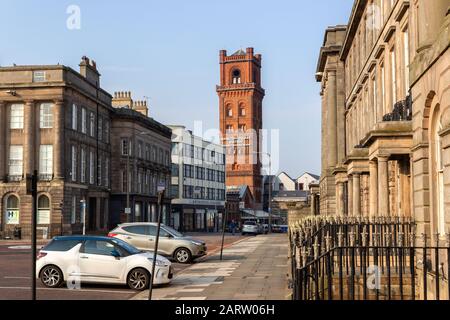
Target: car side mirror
{"x":115,"y":254}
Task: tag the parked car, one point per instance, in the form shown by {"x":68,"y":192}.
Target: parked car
{"x":251,"y":227}
{"x":172,"y":244}
{"x":98,"y":260}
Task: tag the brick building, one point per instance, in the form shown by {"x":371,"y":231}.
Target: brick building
{"x":240,"y":107}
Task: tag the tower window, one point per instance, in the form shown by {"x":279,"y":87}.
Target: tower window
{"x":229,"y":111}
{"x":241,"y":111}
{"x":236,"y":76}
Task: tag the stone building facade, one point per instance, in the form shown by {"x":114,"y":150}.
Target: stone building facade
{"x":142,"y":156}
{"x":390,"y":115}
{"x":59,"y":122}
{"x":240,"y":107}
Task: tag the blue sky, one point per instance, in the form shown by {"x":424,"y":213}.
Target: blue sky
{"x":169,"y":51}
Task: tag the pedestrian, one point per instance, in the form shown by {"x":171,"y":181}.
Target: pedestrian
{"x":233,"y":227}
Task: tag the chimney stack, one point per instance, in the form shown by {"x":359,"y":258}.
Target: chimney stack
{"x":88,"y":69}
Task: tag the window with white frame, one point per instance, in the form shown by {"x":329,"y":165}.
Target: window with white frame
{"x":406,"y":59}
{"x":17,"y":116}
{"x":393,"y":76}
{"x":91,"y":167}
{"x":99,"y":170}
{"x":83,"y":120}
{"x":38,"y":76}
{"x":46,"y":159}
{"x":83,"y":165}
{"x":74,"y":117}
{"x":100,"y":128}
{"x":74,"y":163}
{"x":92,"y":124}
{"x":46,"y":115}
{"x":15,"y":160}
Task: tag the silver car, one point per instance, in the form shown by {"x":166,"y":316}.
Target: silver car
{"x":172,"y":244}
{"x":251,"y":227}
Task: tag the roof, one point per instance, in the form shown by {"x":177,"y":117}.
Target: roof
{"x":240,"y":52}
{"x":315,"y":176}
{"x":292,"y":194}
{"x":81,"y":237}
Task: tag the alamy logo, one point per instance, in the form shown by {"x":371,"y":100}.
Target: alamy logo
{"x":73,"y":278}
{"x":373,"y":21}
{"x":73,"y":22}
{"x":374,"y":278}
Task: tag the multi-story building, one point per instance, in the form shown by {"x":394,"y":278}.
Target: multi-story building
{"x":385,"y":116}
{"x":56,"y":121}
{"x":198,"y":182}
{"x":62,"y":123}
{"x":140,"y":164}
{"x":240,"y":107}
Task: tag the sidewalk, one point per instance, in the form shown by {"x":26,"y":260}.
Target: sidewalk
{"x":254,"y":268}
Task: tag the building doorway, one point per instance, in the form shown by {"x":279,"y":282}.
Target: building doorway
{"x":92,"y":214}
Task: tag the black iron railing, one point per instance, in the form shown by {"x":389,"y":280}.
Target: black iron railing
{"x":367,"y":259}
{"x":402,"y":111}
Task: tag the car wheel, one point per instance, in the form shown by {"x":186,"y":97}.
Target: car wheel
{"x":51,"y":277}
{"x":138,"y":279}
{"x":183,"y":255}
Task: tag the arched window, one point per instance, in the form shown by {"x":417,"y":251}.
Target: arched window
{"x":236,"y":76}
{"x":229,"y":111}
{"x":437,"y":170}
{"x":43,"y":216}
{"x":241,"y":110}
{"x":12,"y":210}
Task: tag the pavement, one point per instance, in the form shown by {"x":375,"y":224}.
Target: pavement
{"x":254,"y":268}
{"x":15,"y":269}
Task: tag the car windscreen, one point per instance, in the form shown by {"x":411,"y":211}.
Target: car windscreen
{"x":127,"y":247}
{"x":173,"y":231}
{"x":61,"y":245}
{"x":250,"y":223}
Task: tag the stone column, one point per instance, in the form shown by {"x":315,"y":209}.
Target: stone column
{"x":313,"y":204}
{"x":350,"y":196}
{"x":3,"y":152}
{"x":29,"y":134}
{"x":331,"y":119}
{"x":356,"y":194}
{"x":383,"y":186}
{"x":373,"y":188}
{"x":340,"y":198}
{"x":58,"y":146}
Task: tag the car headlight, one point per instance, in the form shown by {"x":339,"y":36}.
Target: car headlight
{"x":197,"y":243}
{"x":159,"y":263}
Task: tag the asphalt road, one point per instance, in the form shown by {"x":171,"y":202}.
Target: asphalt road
{"x":15,"y":277}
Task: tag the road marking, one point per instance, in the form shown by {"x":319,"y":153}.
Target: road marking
{"x":19,"y":247}
{"x":191,"y":298}
{"x":190,"y":290}
{"x":69,"y":290}
{"x":17,"y":277}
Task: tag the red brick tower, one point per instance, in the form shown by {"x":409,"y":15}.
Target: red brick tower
{"x":240,"y":102}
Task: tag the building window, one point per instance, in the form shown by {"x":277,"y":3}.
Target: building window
{"x":100,"y":128}
{"x":17,"y":116}
{"x":229,"y":128}
{"x":242,"y":111}
{"x":92,"y":124}
{"x":236,"y":74}
{"x":83,"y":120}
{"x":229,"y":111}
{"x":125,"y":147}
{"x":383,"y":90}
{"x":99,"y":170}
{"x":74,"y":163}
{"x":43,"y":216}
{"x":38,"y":76}
{"x":91,"y":167}
{"x":107,"y":172}
{"x":74,"y":117}
{"x":73,"y":211}
{"x":12,"y":210}
{"x":242,"y":127}
{"x":16,"y":160}
{"x":139,"y":150}
{"x":46,"y":115}
{"x":106,"y":130}
{"x":393,"y":77}
{"x":46,"y":159}
{"x":140,"y":182}
{"x":83,"y":165}
{"x":406,"y":59}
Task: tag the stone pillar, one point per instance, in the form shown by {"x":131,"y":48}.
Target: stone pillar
{"x":350,"y":196}
{"x":313,"y":204}
{"x":356,"y":194}
{"x":3,"y":152}
{"x":373,"y":188}
{"x":58,"y":146}
{"x":383,"y":186}
{"x":331,"y":119}
{"x":340,"y":198}
{"x":29,"y":135}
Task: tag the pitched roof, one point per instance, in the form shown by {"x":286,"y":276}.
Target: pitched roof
{"x":240,"y":52}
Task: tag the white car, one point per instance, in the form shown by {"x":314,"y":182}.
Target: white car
{"x":98,"y":260}
{"x":250,"y":227}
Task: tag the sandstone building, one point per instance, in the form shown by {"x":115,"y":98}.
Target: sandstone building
{"x":240,"y":107}
{"x":61,"y":123}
